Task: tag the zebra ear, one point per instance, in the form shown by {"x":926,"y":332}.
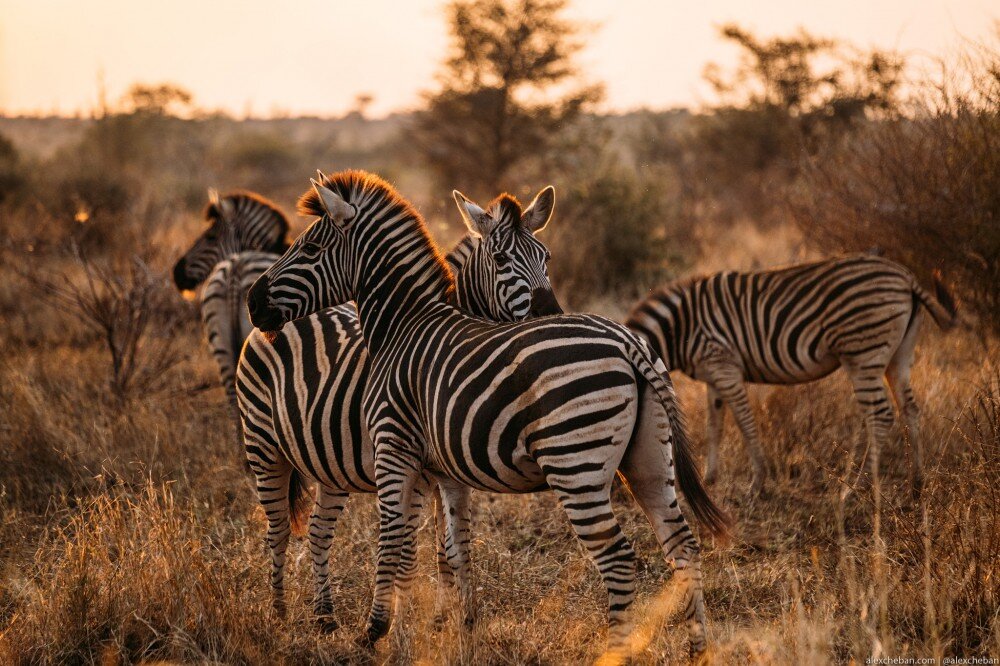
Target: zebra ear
{"x":213,"y":196}
{"x":479,"y":223}
{"x":339,"y":210}
{"x":225,"y":207}
{"x":538,"y":213}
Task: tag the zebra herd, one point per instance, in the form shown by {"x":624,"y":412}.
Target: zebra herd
{"x":454,"y":373}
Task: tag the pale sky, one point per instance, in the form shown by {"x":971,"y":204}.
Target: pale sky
{"x":315,"y":56}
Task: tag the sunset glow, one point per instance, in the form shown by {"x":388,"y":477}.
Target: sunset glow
{"x":315,"y":57}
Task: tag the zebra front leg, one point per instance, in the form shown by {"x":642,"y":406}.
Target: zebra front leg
{"x":727,"y":380}
{"x":446,"y":575}
{"x":397,"y":472}
{"x":713,"y":433}
{"x":457,"y":507}
{"x":408,"y":556}
{"x":272,"y":492}
{"x":322,"y":522}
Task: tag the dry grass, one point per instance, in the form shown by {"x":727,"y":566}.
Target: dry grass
{"x":131,"y":534}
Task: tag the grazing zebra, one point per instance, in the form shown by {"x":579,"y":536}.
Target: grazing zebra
{"x":561,"y":402}
{"x":797,"y":324}
{"x":246,"y":234}
{"x":300,"y":394}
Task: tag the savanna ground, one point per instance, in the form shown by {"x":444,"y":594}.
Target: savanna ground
{"x":129,"y":531}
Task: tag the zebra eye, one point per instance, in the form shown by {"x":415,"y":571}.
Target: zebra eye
{"x":311,"y":249}
{"x":501,"y":258}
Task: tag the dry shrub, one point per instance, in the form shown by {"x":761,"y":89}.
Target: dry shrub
{"x":133,"y":311}
{"x":924,"y":187}
{"x":134,"y":579}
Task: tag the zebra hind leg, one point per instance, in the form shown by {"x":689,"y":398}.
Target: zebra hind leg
{"x":867,"y":379}
{"x":898,"y":378}
{"x":588,"y":506}
{"x":329,"y":504}
{"x":649,"y":471}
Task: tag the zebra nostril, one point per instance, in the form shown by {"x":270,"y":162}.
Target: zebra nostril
{"x":544,"y":302}
{"x":257,"y":298}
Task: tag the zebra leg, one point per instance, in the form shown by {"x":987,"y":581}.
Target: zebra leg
{"x":713,"y":433}
{"x":397,"y":472}
{"x":408,"y":555}
{"x":272,"y":492}
{"x":446,"y":575}
{"x":897,"y":375}
{"x":649,"y":470}
{"x":322,"y":522}
{"x":867,"y":378}
{"x":457,"y":510}
{"x":588,"y":507}
{"x":727,"y":381}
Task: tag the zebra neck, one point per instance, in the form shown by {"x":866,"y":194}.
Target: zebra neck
{"x":401,"y":285}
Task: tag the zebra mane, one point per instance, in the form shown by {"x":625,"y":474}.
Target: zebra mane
{"x":244,"y":202}
{"x":506,"y":208}
{"x":360,"y":188}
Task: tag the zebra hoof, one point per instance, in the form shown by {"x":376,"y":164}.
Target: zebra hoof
{"x":327,"y":624}
{"x":377,"y":628}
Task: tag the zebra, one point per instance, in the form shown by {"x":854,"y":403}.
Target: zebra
{"x":246,"y":233}
{"x":797,"y":324}
{"x":563,"y":402}
{"x":300,"y":390}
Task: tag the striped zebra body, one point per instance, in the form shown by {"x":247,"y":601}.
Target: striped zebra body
{"x":300,"y":395}
{"x":245,"y":235}
{"x":224,"y":313}
{"x":562,"y":402}
{"x":792,"y":325}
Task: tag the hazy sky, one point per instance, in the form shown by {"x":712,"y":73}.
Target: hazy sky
{"x":314,"y":56}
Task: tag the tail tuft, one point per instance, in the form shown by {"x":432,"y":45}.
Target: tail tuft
{"x":708,"y":513}
{"x":947,"y":301}
{"x":299,"y":503}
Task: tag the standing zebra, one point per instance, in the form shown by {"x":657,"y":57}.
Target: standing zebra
{"x":792,"y":325}
{"x":562,"y":402}
{"x":246,"y":233}
{"x":300,"y":393}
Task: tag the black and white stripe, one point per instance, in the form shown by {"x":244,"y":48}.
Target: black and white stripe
{"x":792,"y":325}
{"x":246,"y":234}
{"x":300,"y":393}
{"x":563,"y":402}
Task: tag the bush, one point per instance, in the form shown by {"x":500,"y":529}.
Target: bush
{"x":926,"y":189}
{"x":11,"y":176}
{"x":617,"y":233}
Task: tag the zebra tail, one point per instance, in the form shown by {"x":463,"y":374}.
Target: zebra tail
{"x":298,"y":503}
{"x":942,"y":306}
{"x":707,"y":512}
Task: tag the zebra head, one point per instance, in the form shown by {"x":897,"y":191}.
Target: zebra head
{"x":505,"y":278}
{"x":316,"y":271}
{"x":237,"y":222}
